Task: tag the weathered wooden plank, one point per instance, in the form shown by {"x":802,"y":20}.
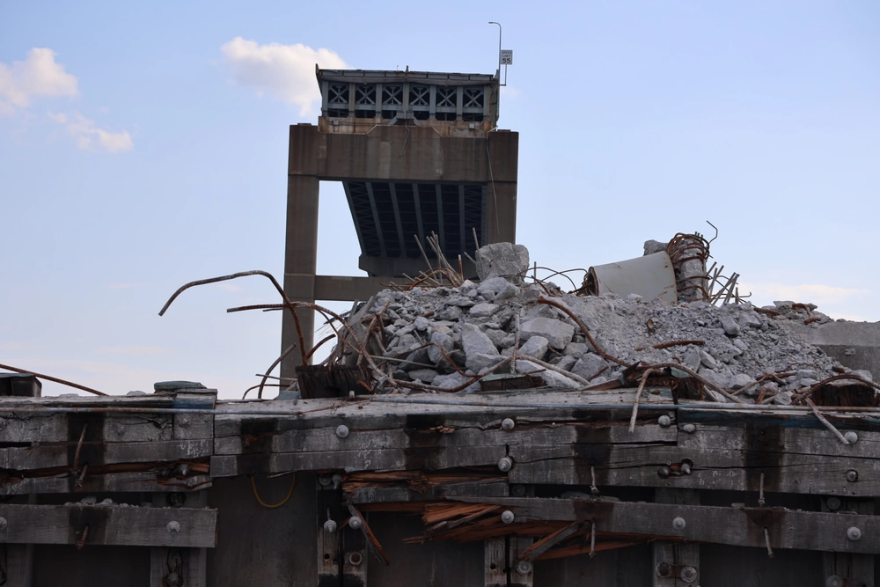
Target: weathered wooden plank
{"x":193,"y":426}
{"x":402,"y":412}
{"x":47,"y":456}
{"x":740,"y":470}
{"x":676,"y":563}
{"x":495,"y":562}
{"x":721,"y":525}
{"x":768,"y":437}
{"x":32,"y":427}
{"x":111,"y":525}
{"x":111,"y":482}
{"x":527,"y":433}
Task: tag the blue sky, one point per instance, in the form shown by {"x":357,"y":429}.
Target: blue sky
{"x":144,"y":145}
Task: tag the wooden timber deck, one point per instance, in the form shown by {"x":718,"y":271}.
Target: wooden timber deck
{"x":513,"y":488}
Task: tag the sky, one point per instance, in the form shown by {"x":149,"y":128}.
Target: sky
{"x":144,"y":145}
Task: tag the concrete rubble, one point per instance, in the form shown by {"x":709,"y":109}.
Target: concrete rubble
{"x":443,"y":337}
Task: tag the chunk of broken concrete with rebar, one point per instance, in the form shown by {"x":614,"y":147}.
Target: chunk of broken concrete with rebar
{"x":535,"y":347}
{"x":479,"y":348}
{"x":502,"y":260}
{"x":551,"y":378}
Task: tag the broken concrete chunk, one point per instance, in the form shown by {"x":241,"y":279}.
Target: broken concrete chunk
{"x":557,"y":332}
{"x":442,"y":340}
{"x":709,"y":361}
{"x":741,"y":380}
{"x":566,"y":363}
{"x":498,"y":337}
{"x":589,"y":365}
{"x":483,"y":361}
{"x":502,"y":260}
{"x":718,"y":379}
{"x":454,"y":380}
{"x":692,"y":358}
{"x":460,"y":301}
{"x":652,"y":246}
{"x":497,"y":288}
{"x":535,"y":347}
{"x":451,"y":313}
{"x":576,"y":349}
{"x":731,"y":328}
{"x":483,"y":310}
{"x":749,"y":319}
{"x":478,"y":348}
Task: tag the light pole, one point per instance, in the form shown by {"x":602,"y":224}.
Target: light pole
{"x":499,"y":49}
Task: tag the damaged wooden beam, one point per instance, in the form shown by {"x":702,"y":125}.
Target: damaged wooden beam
{"x":734,"y":526}
{"x":86,"y":525}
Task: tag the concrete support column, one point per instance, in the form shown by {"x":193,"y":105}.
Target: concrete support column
{"x":300,"y":265}
{"x":500,"y":213}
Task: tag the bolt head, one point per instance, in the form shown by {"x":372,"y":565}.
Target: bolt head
{"x":330,"y":526}
{"x":518,"y":490}
{"x":686,"y":468}
{"x":854,"y":533}
{"x":833,"y":581}
{"x":342,"y":431}
{"x":689,"y":428}
{"x":663,"y":570}
{"x":833,"y":503}
{"x":664,"y":472}
{"x":688,"y":574}
{"x":507,"y":516}
{"x":664,"y":421}
{"x":852,"y":475}
{"x":505,"y":464}
{"x":184,"y":422}
{"x":355,"y":522}
{"x":508,"y":424}
{"x":172,"y":580}
{"x":679,"y":523}
{"x":173,"y":527}
{"x":324,"y":480}
{"x":523,"y":567}
{"x":3,"y":523}
{"x":355,"y":559}
{"x":851,"y":437}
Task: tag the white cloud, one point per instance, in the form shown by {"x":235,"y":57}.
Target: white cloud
{"x":38,"y":75}
{"x":286,"y":72}
{"x":90,"y":138}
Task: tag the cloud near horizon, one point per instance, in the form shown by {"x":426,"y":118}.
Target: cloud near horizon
{"x":38,"y":75}
{"x":91,"y":138}
{"x":285,"y":72}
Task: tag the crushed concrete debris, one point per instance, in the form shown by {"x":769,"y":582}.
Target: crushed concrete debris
{"x":444,"y":336}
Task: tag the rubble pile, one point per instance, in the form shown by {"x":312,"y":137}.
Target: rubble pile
{"x":440,"y":338}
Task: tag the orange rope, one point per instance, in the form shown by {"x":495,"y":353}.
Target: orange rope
{"x":276,"y":505}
